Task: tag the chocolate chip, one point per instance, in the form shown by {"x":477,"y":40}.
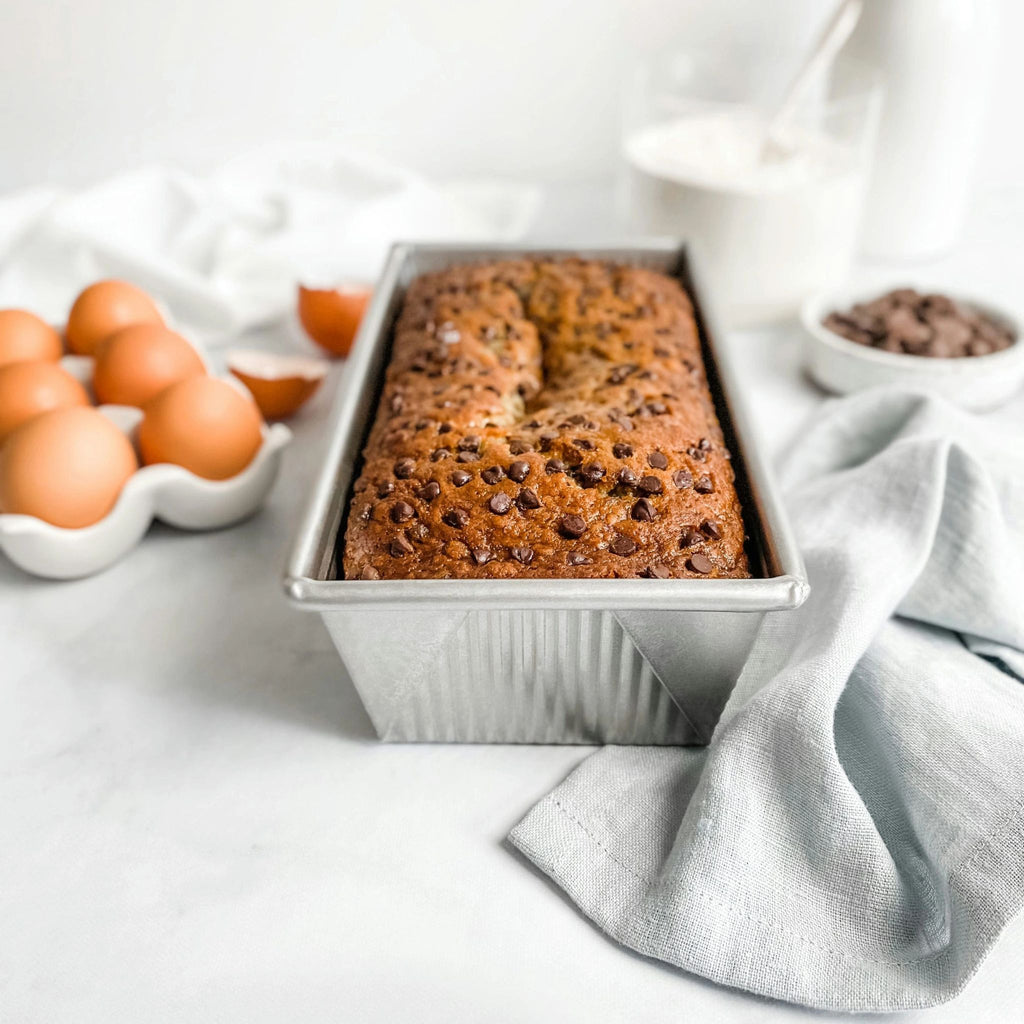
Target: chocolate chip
{"x":404,"y":468}
{"x":456,"y":517}
{"x":468,"y":456}
{"x":591,"y":473}
{"x":689,"y":538}
{"x":500,"y":503}
{"x":643,"y":511}
{"x":554,"y":466}
{"x":368,"y":573}
{"x":657,"y":572}
{"x":519,"y":471}
{"x":366,"y":513}
{"x":386,"y":488}
{"x":445,"y":428}
{"x":527,"y":499}
{"x":710,"y":529}
{"x":577,"y":419}
{"x":492,"y":474}
{"x":704,"y":444}
{"x":577,"y":558}
{"x":523,"y":555}
{"x":400,"y":546}
{"x":656,"y":460}
{"x":582,"y":442}
{"x":622,"y":451}
{"x":622,"y":545}
{"x":657,"y":408}
{"x":649,"y":485}
{"x":402,"y":512}
{"x":517,"y":446}
{"x":429,"y":491}
{"x":439,"y":453}
{"x":696,"y":453}
{"x":572,"y":526}
{"x":704,"y":485}
{"x":620,"y":373}
{"x":481,"y":555}
{"x":682,"y":478}
{"x":700,"y":563}
{"x":470,"y":443}
{"x":626,"y":476}
{"x":460,"y":477}
{"x":546,"y":438}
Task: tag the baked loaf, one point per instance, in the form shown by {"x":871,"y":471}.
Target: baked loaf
{"x":548,"y":419}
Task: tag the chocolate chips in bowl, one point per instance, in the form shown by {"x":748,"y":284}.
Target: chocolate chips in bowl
{"x":933,"y":325}
{"x":967,"y":351}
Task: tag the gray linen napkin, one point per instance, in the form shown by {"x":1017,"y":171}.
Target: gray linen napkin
{"x":853,"y":837}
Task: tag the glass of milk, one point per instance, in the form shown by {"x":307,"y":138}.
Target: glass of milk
{"x":771,"y":224}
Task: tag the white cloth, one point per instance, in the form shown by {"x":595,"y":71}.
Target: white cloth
{"x":225,"y":251}
{"x":853,"y":837}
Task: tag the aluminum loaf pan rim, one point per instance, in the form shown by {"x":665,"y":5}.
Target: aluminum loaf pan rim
{"x":312,"y":553}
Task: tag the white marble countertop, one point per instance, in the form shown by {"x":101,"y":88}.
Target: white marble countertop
{"x":197,"y":823}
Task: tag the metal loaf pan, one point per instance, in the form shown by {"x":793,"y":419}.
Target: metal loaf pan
{"x":539,"y":660}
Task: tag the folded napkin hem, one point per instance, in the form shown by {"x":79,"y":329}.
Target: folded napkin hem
{"x":986,"y":890}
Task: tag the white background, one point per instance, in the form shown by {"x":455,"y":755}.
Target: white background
{"x":200,"y":826}
{"x":524,"y":88}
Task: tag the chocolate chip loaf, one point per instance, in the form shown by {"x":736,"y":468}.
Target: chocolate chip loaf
{"x":549,"y":419}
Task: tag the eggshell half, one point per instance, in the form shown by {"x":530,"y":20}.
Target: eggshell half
{"x":331,"y":316}
{"x":279,"y":384}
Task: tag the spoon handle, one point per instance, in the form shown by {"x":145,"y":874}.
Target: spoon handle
{"x":831,"y":41}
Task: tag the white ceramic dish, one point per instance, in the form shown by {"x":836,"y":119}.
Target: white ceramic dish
{"x":843,"y":366}
{"x":170,"y":493}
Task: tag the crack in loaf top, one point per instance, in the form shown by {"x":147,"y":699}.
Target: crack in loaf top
{"x":549,"y":419}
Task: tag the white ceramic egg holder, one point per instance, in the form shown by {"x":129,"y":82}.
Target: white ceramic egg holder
{"x":170,"y":493}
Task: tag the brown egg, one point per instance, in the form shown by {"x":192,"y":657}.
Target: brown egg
{"x":66,"y":467}
{"x":331,"y":316}
{"x":26,"y":337}
{"x":279,"y":384}
{"x":29,"y":389}
{"x":103,"y":308}
{"x":204,"y":424}
{"x":138,"y":362}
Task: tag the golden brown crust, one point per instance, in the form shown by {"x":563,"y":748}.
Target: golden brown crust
{"x":548,"y":419}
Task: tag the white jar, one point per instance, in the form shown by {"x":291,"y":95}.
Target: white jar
{"x":769,"y":231}
{"x":936,"y":58}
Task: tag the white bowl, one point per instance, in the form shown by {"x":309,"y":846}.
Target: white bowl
{"x":844,"y":366}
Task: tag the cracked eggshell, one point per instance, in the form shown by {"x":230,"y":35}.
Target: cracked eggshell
{"x":279,"y":384}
